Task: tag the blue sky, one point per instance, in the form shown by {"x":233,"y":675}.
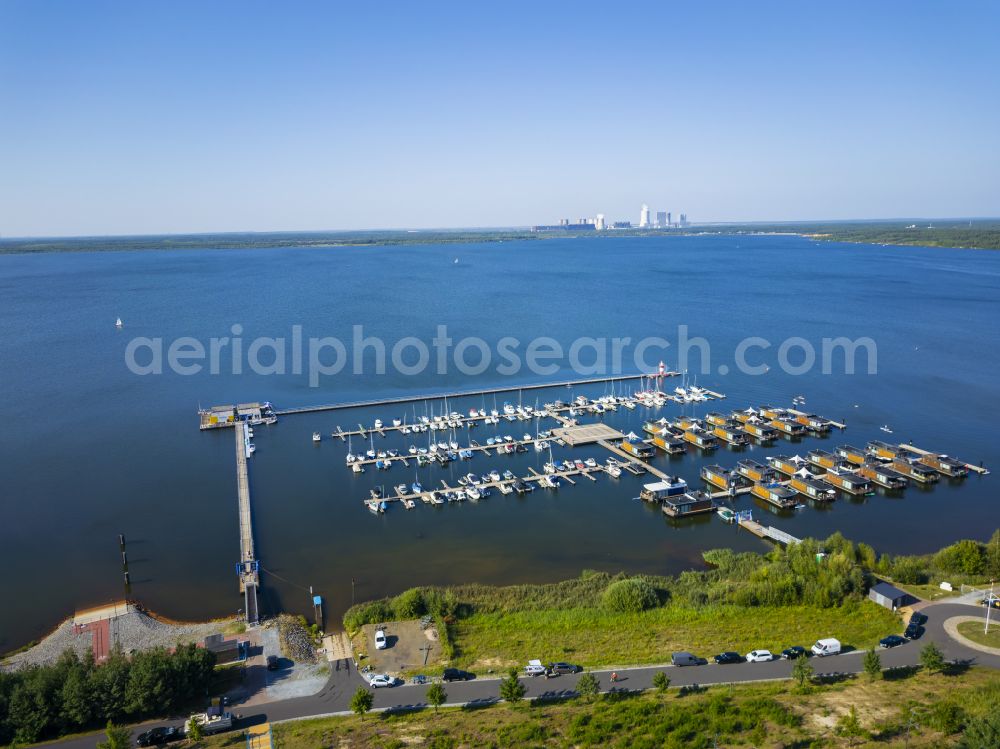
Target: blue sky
{"x":124,"y":117}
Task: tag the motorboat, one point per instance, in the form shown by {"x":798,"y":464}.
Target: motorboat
{"x":357,"y":468}
{"x":317,"y":437}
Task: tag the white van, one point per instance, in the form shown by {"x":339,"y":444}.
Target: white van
{"x":828,"y":646}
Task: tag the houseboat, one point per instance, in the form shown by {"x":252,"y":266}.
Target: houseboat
{"x":813,"y":423}
{"x":670,"y":444}
{"x":812,"y":488}
{"x":638,"y":448}
{"x":655,"y":427}
{"x":716,"y":419}
{"x":776,"y":494}
{"x":661,"y":490}
{"x":720,"y":477}
{"x":741,"y":416}
{"x":761,"y":431}
{"x":944,"y":464}
{"x":704,"y":440}
{"x":882,"y":450}
{"x":731,"y":433}
{"x":754,"y":471}
{"x":789,"y":427}
{"x":784,"y":464}
{"x":852,"y":454}
{"x":848,"y":482}
{"x":915,"y":470}
{"x":770,"y":412}
{"x":689,"y":503}
{"x":823,"y":459}
{"x":883,"y":476}
{"x":686,"y":422}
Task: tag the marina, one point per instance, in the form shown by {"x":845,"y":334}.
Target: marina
{"x":309,"y":523}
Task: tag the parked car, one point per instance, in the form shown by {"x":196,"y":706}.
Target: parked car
{"x":382,"y":680}
{"x":534,"y":668}
{"x":913,"y":632}
{"x":796,"y":651}
{"x":272,"y":663}
{"x":380,"y":639}
{"x":826,"y":646}
{"x":728,"y":657}
{"x":891,"y":641}
{"x":455,"y":674}
{"x":158,"y":735}
{"x":759,"y":656}
{"x":555,"y":669}
{"x":684,"y":658}
{"x":917,"y":618}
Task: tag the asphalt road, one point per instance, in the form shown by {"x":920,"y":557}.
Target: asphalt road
{"x":336,"y":694}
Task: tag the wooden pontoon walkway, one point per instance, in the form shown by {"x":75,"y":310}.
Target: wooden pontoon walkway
{"x":768,"y":532}
{"x":464,"y":393}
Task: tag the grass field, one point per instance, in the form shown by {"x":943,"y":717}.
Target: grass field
{"x":974,"y":631}
{"x":769,"y":715}
{"x":595,"y":637}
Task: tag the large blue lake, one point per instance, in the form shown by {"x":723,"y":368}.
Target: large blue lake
{"x":89,"y":449}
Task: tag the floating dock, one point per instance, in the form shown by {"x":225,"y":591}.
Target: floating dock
{"x":767,"y":532}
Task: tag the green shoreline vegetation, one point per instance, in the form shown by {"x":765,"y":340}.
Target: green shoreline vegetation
{"x":981,"y":234}
{"x":789,"y":596}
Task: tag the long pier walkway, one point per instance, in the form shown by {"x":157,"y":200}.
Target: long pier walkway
{"x":248,"y":568}
{"x":465,"y":393}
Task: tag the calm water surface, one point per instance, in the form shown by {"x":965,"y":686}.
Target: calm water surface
{"x":90,"y":450}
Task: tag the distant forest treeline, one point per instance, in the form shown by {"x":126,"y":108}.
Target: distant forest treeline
{"x":980,"y":234}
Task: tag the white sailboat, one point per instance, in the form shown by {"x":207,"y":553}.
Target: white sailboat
{"x":119,"y":324}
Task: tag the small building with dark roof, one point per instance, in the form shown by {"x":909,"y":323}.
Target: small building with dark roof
{"x":888,"y":595}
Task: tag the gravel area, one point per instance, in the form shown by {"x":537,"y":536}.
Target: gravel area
{"x":133,"y":631}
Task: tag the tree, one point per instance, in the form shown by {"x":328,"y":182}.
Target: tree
{"x":194,"y":731}
{"x":931,"y":658}
{"x":588,"y":686}
{"x":966,"y":557}
{"x":850,"y":727}
{"x":802,"y":671}
{"x":119,"y":737}
{"x":873,"y":665}
{"x":362,"y":702}
{"x":661,"y":681}
{"x":436,"y":695}
{"x":511,"y":688}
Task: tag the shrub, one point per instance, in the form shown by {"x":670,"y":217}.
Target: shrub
{"x":946,"y":717}
{"x":409,"y":604}
{"x":373,"y":612}
{"x":630,"y":596}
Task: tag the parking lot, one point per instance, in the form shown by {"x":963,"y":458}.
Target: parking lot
{"x":409,"y":648}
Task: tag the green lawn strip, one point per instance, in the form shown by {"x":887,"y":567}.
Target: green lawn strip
{"x":593,"y":637}
{"x":974,"y":631}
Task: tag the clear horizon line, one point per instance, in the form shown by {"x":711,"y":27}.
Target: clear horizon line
{"x":518,"y":227}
